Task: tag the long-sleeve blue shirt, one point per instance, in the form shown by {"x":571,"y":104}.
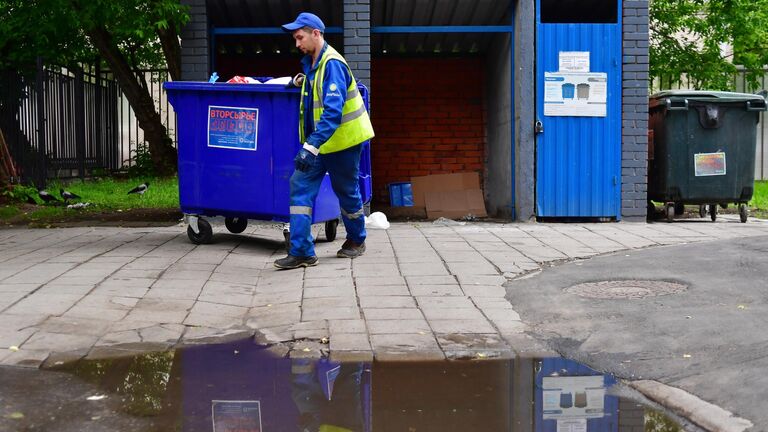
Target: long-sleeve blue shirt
{"x":338,"y":78}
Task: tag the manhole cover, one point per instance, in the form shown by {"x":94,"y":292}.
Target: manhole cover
{"x":625,"y":289}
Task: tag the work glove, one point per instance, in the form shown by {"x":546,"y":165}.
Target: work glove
{"x":296,"y":81}
{"x":306,"y":157}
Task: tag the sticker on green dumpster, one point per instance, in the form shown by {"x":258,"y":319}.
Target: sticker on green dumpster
{"x":709,"y":164}
{"x":233,"y":127}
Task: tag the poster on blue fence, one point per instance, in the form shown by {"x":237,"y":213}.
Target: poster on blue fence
{"x":233,"y":127}
{"x":236,"y":416}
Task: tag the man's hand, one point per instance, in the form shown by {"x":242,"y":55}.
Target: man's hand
{"x":306,"y":157}
{"x":296,"y":81}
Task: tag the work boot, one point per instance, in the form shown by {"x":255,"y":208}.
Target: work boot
{"x":351,"y":249}
{"x":293,"y":262}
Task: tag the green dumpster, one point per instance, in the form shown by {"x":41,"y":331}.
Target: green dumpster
{"x":702,"y":150}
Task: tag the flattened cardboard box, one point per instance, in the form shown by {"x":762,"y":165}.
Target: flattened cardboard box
{"x":442,"y":183}
{"x":455,"y":204}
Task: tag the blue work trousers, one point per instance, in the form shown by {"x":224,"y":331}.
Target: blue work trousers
{"x":343,"y":168}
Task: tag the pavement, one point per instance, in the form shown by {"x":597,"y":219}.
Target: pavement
{"x":422,"y":290}
{"x":708,"y":339}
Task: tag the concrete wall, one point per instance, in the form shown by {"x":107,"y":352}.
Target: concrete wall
{"x":634,"y":151}
{"x":525,"y":110}
{"x":195,"y":43}
{"x":499,"y":140}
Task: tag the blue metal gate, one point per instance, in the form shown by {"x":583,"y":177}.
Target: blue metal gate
{"x":578,"y":145}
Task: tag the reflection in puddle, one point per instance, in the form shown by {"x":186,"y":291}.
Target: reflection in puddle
{"x":242,"y":387}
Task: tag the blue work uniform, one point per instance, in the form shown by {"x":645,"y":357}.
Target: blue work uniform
{"x":342,"y":166}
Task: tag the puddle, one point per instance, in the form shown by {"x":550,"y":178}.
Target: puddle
{"x":243,"y":387}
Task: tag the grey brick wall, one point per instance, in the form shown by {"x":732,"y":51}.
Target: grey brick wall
{"x":634,"y":148}
{"x":194,"y":43}
{"x":357,"y":38}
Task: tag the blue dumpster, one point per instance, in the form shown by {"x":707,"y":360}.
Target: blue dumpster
{"x":236,"y":144}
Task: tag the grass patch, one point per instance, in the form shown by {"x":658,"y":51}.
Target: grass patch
{"x":7,"y":212}
{"x":107,"y":195}
{"x":760,"y":199}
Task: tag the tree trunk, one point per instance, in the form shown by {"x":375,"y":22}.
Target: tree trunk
{"x":169,"y":40}
{"x":160,"y":145}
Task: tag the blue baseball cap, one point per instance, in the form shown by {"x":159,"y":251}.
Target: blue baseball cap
{"x":305,"y":19}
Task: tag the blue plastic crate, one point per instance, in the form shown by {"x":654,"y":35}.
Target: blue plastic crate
{"x":400,"y":194}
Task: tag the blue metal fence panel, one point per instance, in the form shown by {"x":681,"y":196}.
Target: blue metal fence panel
{"x":578,"y":159}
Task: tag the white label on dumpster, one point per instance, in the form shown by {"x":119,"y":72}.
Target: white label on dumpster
{"x":575,"y":94}
{"x":233,"y":127}
{"x":709,"y":164}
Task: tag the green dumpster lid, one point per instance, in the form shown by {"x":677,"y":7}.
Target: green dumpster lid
{"x":704,"y":95}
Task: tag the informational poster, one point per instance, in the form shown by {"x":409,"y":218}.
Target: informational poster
{"x":573,"y":425}
{"x":573,"y":398}
{"x":236,"y":416}
{"x":233,"y":127}
{"x":709,"y":164}
{"x":574,"y":61}
{"x":575,"y":94}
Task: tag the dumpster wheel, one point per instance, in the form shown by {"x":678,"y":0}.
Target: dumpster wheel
{"x":670,"y":211}
{"x":204,"y":236}
{"x":713,"y":212}
{"x":331,"y":227}
{"x":743,"y":213}
{"x":703,"y":210}
{"x":236,"y":225}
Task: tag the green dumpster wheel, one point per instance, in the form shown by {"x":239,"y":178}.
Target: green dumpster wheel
{"x":743,"y":213}
{"x":713,"y":212}
{"x":331,"y":227}
{"x":703,"y":210}
{"x":236,"y":225}
{"x":204,"y":236}
{"x":670,"y":211}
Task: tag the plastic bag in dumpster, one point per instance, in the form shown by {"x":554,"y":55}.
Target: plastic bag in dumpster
{"x":237,"y":79}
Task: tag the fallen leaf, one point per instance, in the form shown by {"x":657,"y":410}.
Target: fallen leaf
{"x":324,"y":340}
{"x":686,"y":356}
{"x":96,"y":397}
{"x":482,"y":355}
{"x":742,"y":307}
{"x":13,"y":348}
{"x":306,"y":350}
{"x":15,"y":415}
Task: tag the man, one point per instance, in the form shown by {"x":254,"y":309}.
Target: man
{"x":333,"y":123}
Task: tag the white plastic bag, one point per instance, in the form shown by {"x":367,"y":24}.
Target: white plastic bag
{"x":377,"y":220}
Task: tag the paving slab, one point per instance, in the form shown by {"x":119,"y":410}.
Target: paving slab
{"x":420,"y":291}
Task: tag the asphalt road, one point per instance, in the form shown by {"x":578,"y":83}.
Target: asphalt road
{"x":710,"y":340}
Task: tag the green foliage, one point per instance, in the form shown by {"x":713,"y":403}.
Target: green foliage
{"x":658,"y":422}
{"x":760,"y":197}
{"x":20,"y":193}
{"x":688,"y":37}
{"x":58,"y":30}
{"x":142,"y":163}
{"x":7,"y":212}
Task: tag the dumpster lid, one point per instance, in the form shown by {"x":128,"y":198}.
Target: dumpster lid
{"x":708,"y":96}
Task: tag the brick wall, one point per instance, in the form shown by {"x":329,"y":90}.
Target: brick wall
{"x":428,"y":117}
{"x":194,"y":43}
{"x":634,"y":155}
{"x":357,"y":38}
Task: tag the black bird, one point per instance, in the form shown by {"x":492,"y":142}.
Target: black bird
{"x":140,"y":189}
{"x":45,"y":196}
{"x":67,"y":195}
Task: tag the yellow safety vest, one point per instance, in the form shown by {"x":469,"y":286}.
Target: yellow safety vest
{"x":355,"y":126}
